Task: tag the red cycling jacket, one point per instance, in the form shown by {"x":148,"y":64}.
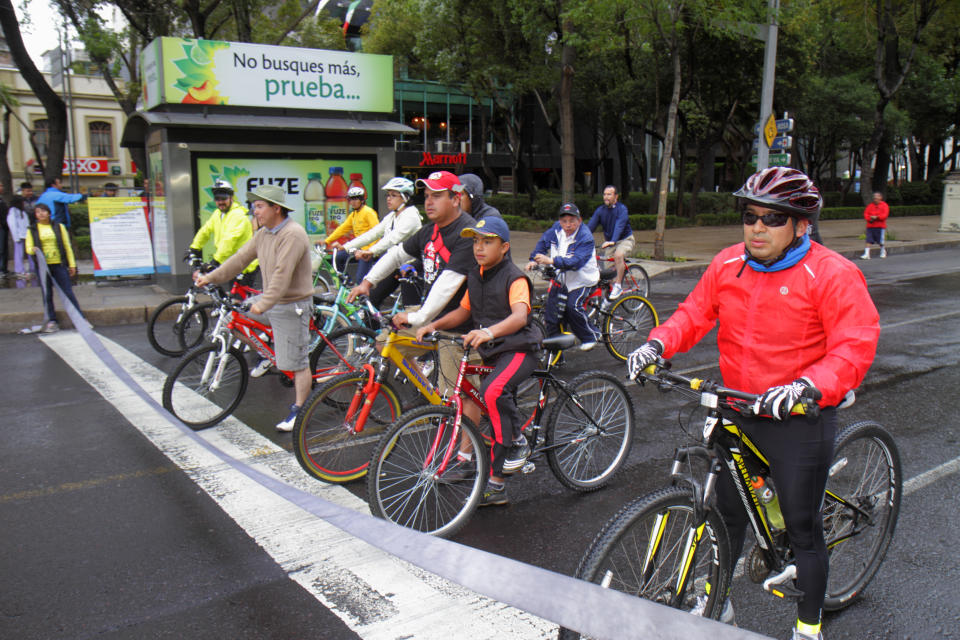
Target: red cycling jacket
{"x":880,"y":210}
{"x":814,"y":320}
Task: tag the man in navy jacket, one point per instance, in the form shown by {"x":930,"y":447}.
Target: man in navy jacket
{"x":612,"y":215}
{"x":568,"y":247}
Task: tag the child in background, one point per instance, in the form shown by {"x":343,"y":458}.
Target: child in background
{"x":52,"y":239}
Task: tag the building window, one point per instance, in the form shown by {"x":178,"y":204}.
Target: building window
{"x":101,"y":139}
{"x":41,"y":133}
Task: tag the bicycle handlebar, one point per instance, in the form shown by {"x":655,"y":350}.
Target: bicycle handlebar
{"x":659,"y":372}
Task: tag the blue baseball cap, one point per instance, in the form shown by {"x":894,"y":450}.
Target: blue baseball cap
{"x":489,"y":227}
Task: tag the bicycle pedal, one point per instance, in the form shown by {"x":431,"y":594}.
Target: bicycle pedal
{"x":782,"y":584}
{"x":528,"y":467}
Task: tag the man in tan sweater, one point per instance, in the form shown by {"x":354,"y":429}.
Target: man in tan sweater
{"x":283,"y":249}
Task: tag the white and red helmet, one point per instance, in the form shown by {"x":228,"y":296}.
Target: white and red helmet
{"x":783,"y":189}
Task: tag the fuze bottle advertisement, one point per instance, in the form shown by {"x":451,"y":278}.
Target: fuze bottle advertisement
{"x":314,"y":189}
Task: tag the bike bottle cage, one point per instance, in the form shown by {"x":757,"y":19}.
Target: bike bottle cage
{"x":782,"y":584}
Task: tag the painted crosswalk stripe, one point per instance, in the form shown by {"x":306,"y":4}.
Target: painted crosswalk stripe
{"x":375,"y":594}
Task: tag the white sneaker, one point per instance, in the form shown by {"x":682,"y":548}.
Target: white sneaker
{"x":586,"y":346}
{"x":883,"y":253}
{"x":262,"y":367}
{"x":616,"y":290}
{"x":865,"y":255}
{"x":287,"y":424}
{"x":800,"y":635}
{"x":727,"y":616}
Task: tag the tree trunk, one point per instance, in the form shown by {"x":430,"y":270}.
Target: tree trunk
{"x":54,"y":107}
{"x":664,"y":181}
{"x":6,"y":179}
{"x":567,"y":159}
{"x":624,"y":166}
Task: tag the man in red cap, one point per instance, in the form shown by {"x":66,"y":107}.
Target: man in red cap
{"x":447,"y":259}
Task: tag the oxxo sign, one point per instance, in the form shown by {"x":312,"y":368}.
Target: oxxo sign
{"x":89,"y":166}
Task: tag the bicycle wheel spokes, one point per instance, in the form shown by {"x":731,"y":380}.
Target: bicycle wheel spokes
{"x":590,"y":434}
{"x":206,"y":386}
{"x":331,"y":439}
{"x":860,"y":510}
{"x":636,"y":281}
{"x":404,"y":486}
{"x":629,"y":322}
{"x":344,"y":349}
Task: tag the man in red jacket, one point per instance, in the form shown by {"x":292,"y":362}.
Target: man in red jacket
{"x":876,"y":214}
{"x":792,"y":315}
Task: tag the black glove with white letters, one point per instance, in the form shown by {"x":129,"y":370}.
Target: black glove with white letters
{"x":777,"y":402}
{"x":645,"y":355}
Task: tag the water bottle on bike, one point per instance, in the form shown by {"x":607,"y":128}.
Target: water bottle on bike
{"x":768,"y":498}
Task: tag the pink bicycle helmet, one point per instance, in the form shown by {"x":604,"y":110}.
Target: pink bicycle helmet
{"x":783,"y":189}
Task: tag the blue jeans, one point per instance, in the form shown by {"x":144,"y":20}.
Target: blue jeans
{"x":59,"y":273}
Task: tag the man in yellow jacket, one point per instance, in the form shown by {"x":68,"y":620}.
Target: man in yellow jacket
{"x":230,"y":227}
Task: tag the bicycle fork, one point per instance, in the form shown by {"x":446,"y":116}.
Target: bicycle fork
{"x":362,"y":402}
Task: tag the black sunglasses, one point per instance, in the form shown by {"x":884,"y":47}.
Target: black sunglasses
{"x":769,"y":220}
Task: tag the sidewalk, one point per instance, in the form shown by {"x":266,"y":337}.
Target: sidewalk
{"x":108,"y":304}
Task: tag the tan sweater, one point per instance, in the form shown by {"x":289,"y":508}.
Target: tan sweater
{"x":284,"y":264}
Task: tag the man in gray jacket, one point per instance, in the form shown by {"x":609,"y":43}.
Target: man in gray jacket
{"x":473,"y":202}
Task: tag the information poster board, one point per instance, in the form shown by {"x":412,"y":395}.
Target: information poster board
{"x":158,"y":213}
{"x":314,"y":188}
{"x":120,"y":237}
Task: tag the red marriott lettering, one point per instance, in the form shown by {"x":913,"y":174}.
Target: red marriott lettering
{"x":432,"y":159}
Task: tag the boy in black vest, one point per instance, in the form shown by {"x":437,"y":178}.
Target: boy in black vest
{"x":498,"y":301}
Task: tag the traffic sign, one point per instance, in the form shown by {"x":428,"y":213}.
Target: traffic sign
{"x":775,"y":159}
{"x":770,"y":130}
{"x":784,"y":125}
{"x":780,"y":143}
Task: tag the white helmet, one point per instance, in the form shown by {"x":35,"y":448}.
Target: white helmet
{"x":401,"y":185}
{"x":357,"y":192}
{"x":222,"y":185}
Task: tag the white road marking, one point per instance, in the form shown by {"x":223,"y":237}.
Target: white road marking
{"x":375,"y":594}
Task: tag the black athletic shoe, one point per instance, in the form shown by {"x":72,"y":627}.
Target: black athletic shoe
{"x":516,"y":456}
{"x":494,"y":496}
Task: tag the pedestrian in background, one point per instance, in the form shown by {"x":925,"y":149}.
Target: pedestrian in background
{"x":3,"y":234}
{"x":29,"y":197}
{"x":876,"y":214}
{"x":19,"y":224}
{"x":110,"y":190}
{"x":52,"y":239}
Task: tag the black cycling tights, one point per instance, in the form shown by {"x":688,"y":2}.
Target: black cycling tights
{"x":799,"y":452}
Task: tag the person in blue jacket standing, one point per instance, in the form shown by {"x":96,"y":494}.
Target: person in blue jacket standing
{"x":57,"y":201}
{"x":568,"y":247}
{"x":612,"y":215}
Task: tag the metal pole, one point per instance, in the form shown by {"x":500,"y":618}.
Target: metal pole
{"x":769,"y":74}
{"x":71,"y":126}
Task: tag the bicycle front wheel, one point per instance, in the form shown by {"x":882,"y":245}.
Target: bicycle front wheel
{"x":403,"y":485}
{"x":636,"y":281}
{"x":655,"y":548}
{"x":163,"y":325}
{"x":589,"y":433}
{"x":627,"y":324}
{"x":860,"y":509}
{"x":206,"y":386}
{"x":193,"y":328}
{"x":328,"y":439}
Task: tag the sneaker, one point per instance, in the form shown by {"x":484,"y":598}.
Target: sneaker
{"x":50,"y":327}
{"x":262,"y":367}
{"x":883,"y":253}
{"x":458,"y":471}
{"x":616,"y":290}
{"x":494,"y":496}
{"x":516,"y":456}
{"x":727,"y":616}
{"x":586,"y":346}
{"x":287,"y":425}
{"x":426,"y":365}
{"x":800,"y":635}
{"x":865,"y":255}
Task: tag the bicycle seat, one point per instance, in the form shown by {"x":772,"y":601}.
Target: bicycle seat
{"x":328,"y":297}
{"x":608,"y":274}
{"x":557,"y":343}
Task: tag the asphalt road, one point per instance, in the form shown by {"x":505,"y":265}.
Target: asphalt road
{"x":104,"y":536}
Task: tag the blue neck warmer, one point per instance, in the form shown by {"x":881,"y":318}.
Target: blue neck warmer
{"x":794,"y":255}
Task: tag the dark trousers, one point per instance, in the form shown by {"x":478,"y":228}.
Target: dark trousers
{"x":3,"y":244}
{"x":59,"y":273}
{"x":499,"y":395}
{"x":409,"y":293}
{"x":799,"y":452}
{"x":574,"y":315}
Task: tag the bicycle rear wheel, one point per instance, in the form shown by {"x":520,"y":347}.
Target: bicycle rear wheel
{"x":344,"y":349}
{"x":163,"y":325}
{"x":627,"y":324}
{"x":589,"y":434}
{"x":193,"y":328}
{"x":205,"y":387}
{"x":636,"y":281}
{"x":643,"y":549}
{"x":860,"y":510}
{"x":326,"y":439}
{"x":403,"y":486}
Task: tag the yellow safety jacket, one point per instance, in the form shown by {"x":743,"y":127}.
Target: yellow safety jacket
{"x":230,"y":230}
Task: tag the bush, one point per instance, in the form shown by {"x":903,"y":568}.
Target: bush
{"x":84,"y":250}
{"x":916,"y":193}
{"x":79,"y":217}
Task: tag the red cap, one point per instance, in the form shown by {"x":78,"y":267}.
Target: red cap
{"x":440,"y":181}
